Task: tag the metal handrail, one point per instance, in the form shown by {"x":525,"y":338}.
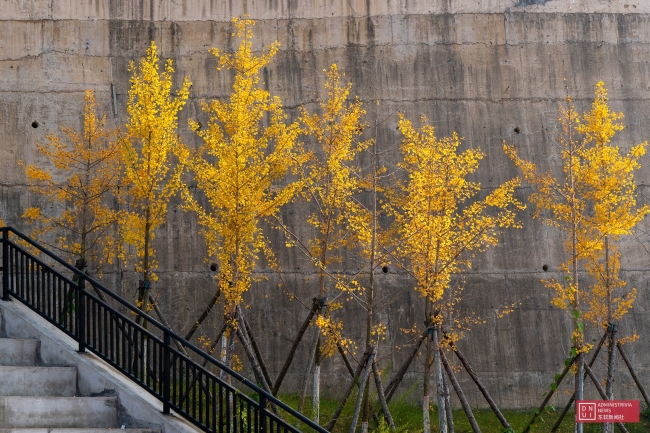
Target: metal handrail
{"x":84,"y":297}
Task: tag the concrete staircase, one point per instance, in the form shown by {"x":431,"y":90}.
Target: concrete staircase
{"x":44,"y":399}
{"x":47,"y":386}
{"x":35,"y":399}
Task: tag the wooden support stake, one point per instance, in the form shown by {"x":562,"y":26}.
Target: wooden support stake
{"x":548,"y":396}
{"x":314,"y":309}
{"x":345,"y":359}
{"x":483,"y":390}
{"x":602,"y":393}
{"x":459,"y":393}
{"x":362,"y":387}
{"x":573,"y":397}
{"x":382,"y":397}
{"x":256,"y":349}
{"x":393,"y":384}
{"x":249,"y":352}
{"x":203,"y":315}
{"x":205,"y":362}
{"x":563,"y":414}
{"x":636,"y":379}
{"x":163,"y":320}
{"x":353,"y":383}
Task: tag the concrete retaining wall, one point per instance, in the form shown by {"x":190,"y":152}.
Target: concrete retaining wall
{"x":483,"y":68}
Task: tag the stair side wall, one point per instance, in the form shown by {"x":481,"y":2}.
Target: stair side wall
{"x":137,"y":407}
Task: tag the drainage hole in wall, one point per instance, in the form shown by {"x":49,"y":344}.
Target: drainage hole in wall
{"x":545,"y":268}
{"x":517,"y":130}
{"x":34,"y":124}
{"x":213,"y":267}
{"x":384,"y":269}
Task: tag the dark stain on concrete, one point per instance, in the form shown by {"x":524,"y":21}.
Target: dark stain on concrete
{"x":531,"y":2}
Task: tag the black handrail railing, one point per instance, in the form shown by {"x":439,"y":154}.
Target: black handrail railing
{"x":146,"y":356}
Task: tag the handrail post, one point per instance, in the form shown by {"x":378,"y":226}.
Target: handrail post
{"x":166,"y":373}
{"x":81,"y":313}
{"x":5,"y":264}
{"x":262,"y":413}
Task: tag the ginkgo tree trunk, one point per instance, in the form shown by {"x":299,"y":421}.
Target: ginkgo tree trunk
{"x":150,"y":179}
{"x":442,"y":224}
{"x":84,"y":177}
{"x":239,"y":171}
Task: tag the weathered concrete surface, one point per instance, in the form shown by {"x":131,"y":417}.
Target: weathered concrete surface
{"x":73,"y":412}
{"x":18,"y":352}
{"x":192,"y":10}
{"x":41,"y":381}
{"x":483,"y":68}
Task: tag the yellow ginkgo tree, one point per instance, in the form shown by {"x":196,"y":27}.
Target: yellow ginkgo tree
{"x":248,"y":149}
{"x":150,"y":179}
{"x":594,"y":203}
{"x":332,"y":182}
{"x":559,"y":202}
{"x":374,"y":244}
{"x":606,"y":180}
{"x":85,"y":177}
{"x":442,"y":224}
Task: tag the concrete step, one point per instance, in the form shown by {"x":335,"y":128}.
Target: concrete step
{"x":76,"y":430}
{"x":18,"y":351}
{"x":58,"y":412}
{"x":43,"y":381}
